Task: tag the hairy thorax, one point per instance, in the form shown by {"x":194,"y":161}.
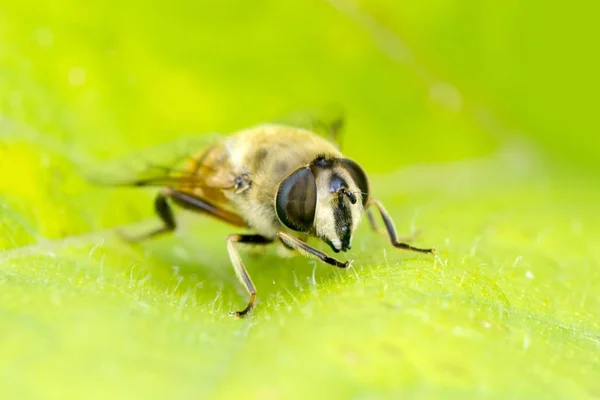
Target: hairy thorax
{"x":268,"y":155}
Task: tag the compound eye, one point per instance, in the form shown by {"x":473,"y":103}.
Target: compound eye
{"x":358,"y":176}
{"x":296,"y":200}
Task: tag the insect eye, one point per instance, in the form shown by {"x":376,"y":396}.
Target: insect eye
{"x":358,"y":176}
{"x":296,"y":200}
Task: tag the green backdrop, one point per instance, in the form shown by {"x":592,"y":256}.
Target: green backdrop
{"x":477,"y":122}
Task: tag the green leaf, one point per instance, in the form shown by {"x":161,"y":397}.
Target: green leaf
{"x":449,"y":109}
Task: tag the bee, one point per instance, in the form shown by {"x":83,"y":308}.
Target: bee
{"x":283,"y":183}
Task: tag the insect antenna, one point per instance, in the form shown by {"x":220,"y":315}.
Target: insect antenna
{"x":350,"y":195}
{"x":359,"y":192}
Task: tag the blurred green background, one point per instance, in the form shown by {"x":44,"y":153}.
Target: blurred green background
{"x":476,"y":120}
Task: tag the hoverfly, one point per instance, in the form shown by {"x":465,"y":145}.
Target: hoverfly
{"x":280,"y":182}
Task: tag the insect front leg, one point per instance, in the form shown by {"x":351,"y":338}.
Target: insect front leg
{"x":239,"y":268}
{"x":309,"y":251}
{"x":391,"y":230}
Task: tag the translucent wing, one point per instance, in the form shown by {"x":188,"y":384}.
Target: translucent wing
{"x":327,"y":122}
{"x":162,"y":165}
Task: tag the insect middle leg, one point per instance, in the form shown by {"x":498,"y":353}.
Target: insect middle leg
{"x":375,"y":228}
{"x":309,"y":251}
{"x":239,"y":268}
{"x":391,"y":230}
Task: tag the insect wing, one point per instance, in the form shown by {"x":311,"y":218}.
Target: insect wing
{"x":161,"y":165}
{"x":327,"y":122}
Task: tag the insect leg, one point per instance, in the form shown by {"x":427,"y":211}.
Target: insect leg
{"x":375,"y":228}
{"x":165,"y":213}
{"x":373,"y":223}
{"x":195,"y":203}
{"x":239,"y":268}
{"x":189,"y":202}
{"x":309,"y":251}
{"x":389,"y":225}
